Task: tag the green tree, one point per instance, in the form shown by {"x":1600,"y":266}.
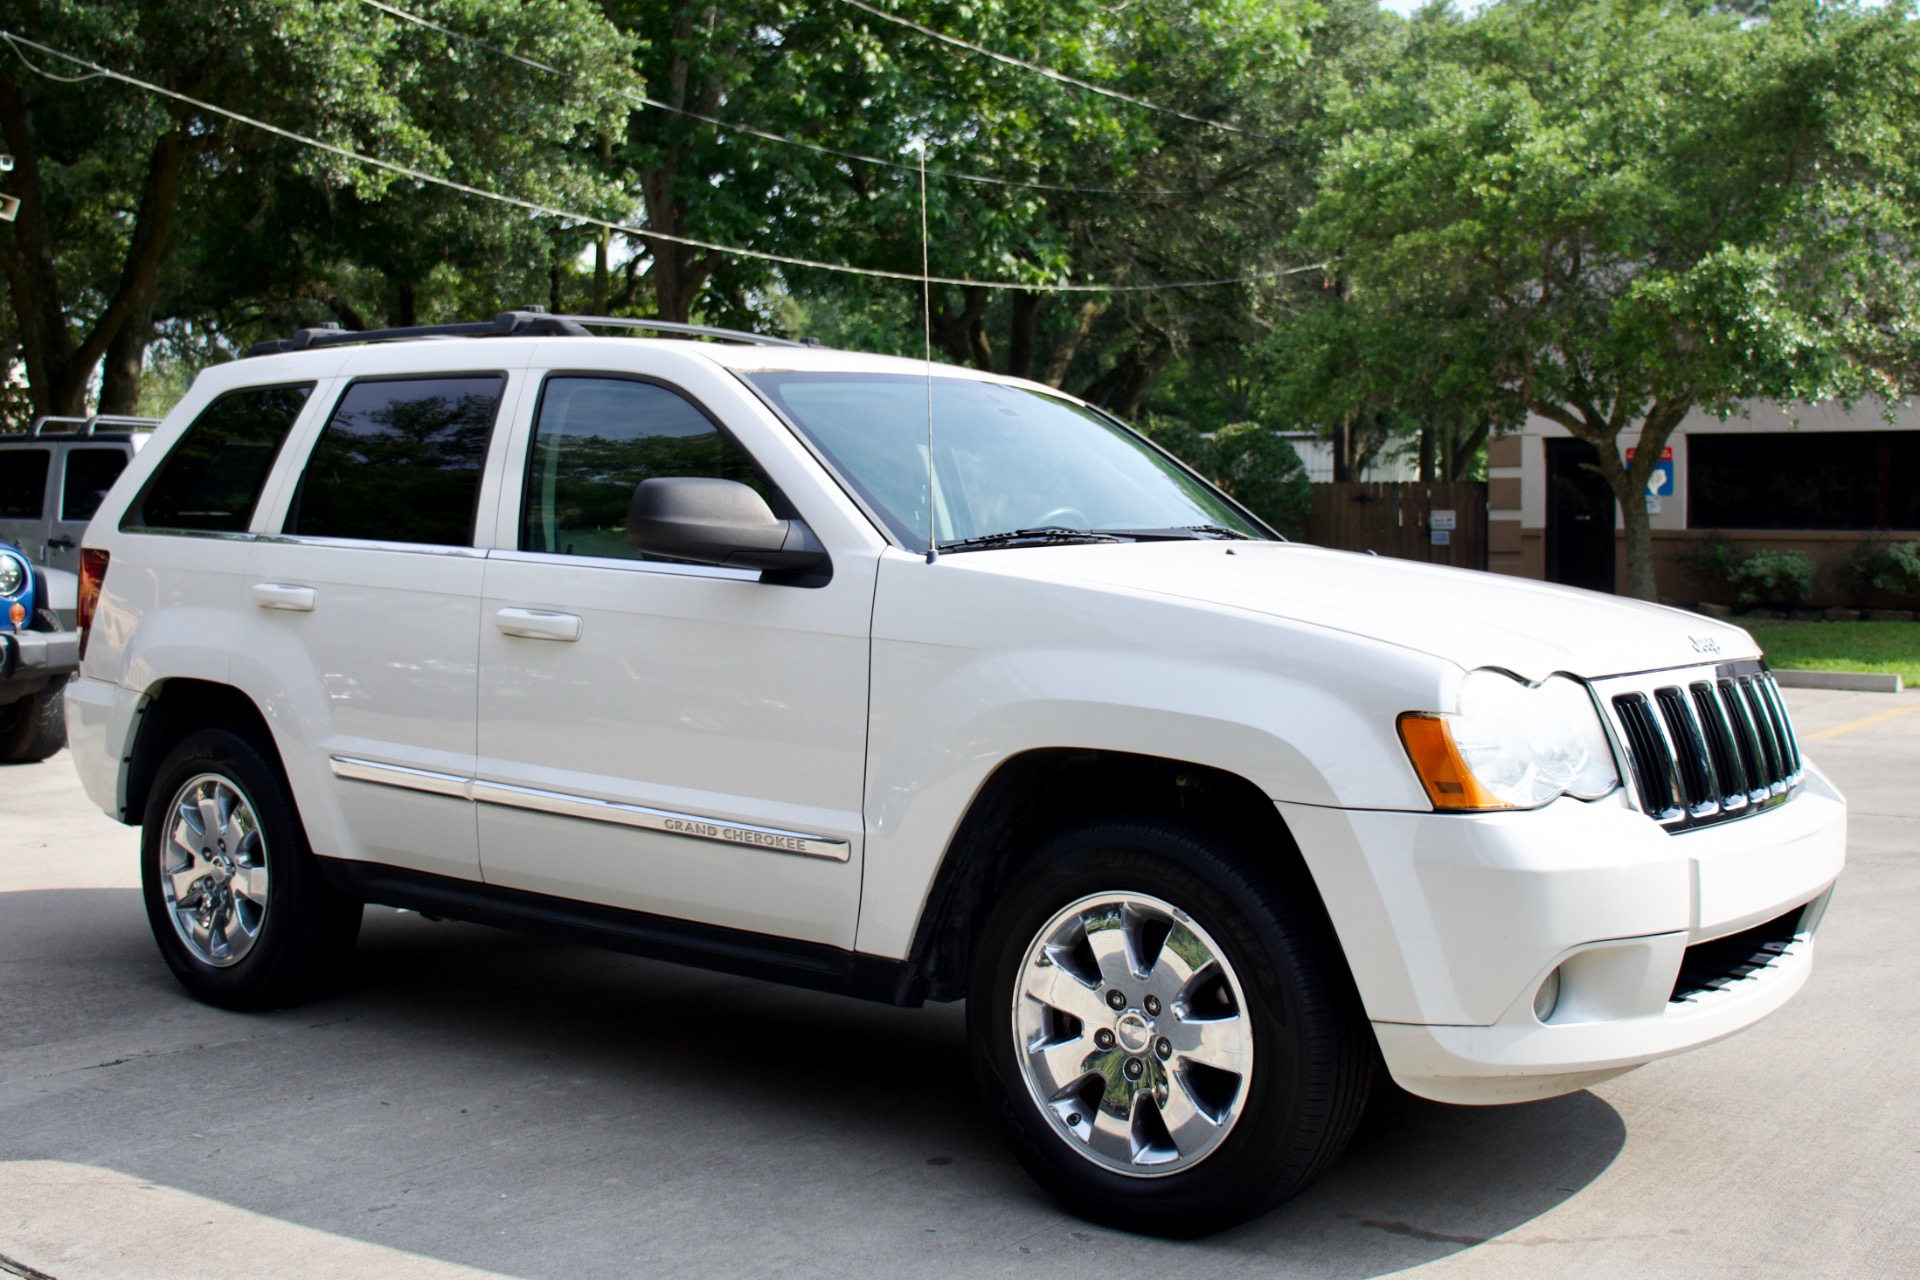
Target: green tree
{"x":1610,"y":213}
{"x":121,"y":188}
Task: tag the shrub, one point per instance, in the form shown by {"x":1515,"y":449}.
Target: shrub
{"x":1763,"y":576}
{"x":1889,"y":568}
{"x":1771,"y":577}
{"x":1264,"y":472}
{"x":1253,"y":463}
{"x":1713,"y":562}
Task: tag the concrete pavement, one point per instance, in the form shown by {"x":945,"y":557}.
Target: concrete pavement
{"x":479,"y":1102}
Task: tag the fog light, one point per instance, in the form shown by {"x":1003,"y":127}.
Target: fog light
{"x":1547,"y":998}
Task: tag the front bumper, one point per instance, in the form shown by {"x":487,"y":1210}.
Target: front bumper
{"x":1452,"y":923}
{"x":31,"y":660}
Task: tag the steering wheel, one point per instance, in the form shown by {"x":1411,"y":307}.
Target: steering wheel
{"x":1066,"y":517}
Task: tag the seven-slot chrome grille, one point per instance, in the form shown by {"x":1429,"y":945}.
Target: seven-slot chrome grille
{"x":1702,"y":744}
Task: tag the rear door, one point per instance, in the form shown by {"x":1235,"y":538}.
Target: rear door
{"x":665,"y":737}
{"x":87,"y":471}
{"x":366,"y":612}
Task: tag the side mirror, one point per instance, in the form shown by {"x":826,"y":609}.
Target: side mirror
{"x":720,"y":522}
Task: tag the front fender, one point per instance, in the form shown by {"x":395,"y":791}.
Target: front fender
{"x":972,"y":668}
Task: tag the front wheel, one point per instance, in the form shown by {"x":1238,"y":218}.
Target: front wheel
{"x":1168,"y":1037}
{"x":234,"y":896}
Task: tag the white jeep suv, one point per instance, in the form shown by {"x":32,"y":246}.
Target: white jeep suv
{"x":640,"y":642}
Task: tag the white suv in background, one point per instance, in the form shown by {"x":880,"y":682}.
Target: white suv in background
{"x":639,"y":642}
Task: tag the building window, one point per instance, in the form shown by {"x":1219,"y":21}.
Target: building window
{"x":1818,"y":480}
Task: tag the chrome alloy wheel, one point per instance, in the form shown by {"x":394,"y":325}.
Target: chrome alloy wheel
{"x":213,"y":864}
{"x":1132,"y":1034}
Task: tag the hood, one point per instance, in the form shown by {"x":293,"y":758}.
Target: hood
{"x":1467,"y":617}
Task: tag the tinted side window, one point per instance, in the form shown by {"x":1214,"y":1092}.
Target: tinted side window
{"x":400,"y":461}
{"x":213,"y":477}
{"x":23,"y":483}
{"x":90,"y":473}
{"x":595,"y":439}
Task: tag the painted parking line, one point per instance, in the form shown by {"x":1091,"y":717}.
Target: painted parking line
{"x":1867,"y":722}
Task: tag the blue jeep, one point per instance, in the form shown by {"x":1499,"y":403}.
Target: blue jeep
{"x":36,"y":657}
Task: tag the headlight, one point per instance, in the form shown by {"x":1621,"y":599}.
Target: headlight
{"x":1511,"y":745}
{"x":13,"y":574}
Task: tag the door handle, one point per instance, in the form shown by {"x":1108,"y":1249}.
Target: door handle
{"x":60,"y":544}
{"x":538,"y":624}
{"x":276,"y":595}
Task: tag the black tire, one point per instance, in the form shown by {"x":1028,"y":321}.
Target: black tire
{"x":1313,"y":1058}
{"x":305,"y":929}
{"x":34,"y":727}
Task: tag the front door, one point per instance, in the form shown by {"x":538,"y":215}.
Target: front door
{"x":670,"y":738}
{"x":1580,"y":507}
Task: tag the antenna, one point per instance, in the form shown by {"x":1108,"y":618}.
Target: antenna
{"x":926,"y":325}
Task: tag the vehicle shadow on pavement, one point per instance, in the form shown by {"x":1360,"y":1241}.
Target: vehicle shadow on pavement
{"x":540,"y":1109}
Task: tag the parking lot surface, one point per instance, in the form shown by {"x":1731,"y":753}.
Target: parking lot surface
{"x":476,"y":1102}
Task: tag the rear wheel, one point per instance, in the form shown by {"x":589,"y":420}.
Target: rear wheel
{"x":1170,"y":1040}
{"x":34,"y":727}
{"x":234,"y":896}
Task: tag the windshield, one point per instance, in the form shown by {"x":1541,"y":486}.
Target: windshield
{"x":1006,"y":459}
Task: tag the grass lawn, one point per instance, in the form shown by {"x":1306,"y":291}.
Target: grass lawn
{"x":1841,"y":646}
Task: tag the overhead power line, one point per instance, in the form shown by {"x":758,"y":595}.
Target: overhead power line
{"x":1048,"y":72}
{"x":15,"y":40}
{"x":733,"y":127}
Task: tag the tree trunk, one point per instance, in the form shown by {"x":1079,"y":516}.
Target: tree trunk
{"x":600,"y":290}
{"x":962,"y":333}
{"x":1343,"y":450}
{"x":1429,"y":428}
{"x":680,"y":271}
{"x":1021,"y":341}
{"x":126,"y":357}
{"x":1629,"y":480}
{"x":57,"y":370}
{"x":1061,"y":362}
{"x":1124,"y":387}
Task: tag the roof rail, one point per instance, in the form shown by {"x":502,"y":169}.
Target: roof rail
{"x":525,"y":322}
{"x":87,"y":426}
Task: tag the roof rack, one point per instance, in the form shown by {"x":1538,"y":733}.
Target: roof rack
{"x":88,"y":426}
{"x":525,"y":322}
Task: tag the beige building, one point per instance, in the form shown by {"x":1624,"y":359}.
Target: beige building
{"x":1811,"y":478}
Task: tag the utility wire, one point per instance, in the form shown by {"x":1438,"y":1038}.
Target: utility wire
{"x":733,"y":127}
{"x":15,"y":41}
{"x":1048,"y":72}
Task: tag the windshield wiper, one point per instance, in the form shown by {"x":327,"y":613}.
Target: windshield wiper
{"x":1050,"y":535}
{"x":1185,"y":532}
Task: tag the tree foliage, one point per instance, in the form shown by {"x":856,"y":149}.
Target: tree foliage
{"x":137,"y":207}
{"x":1609,"y":213}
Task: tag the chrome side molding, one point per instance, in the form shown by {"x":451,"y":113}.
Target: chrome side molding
{"x":690,"y":825}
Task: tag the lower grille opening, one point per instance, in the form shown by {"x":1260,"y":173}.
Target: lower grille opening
{"x":1710,"y":966}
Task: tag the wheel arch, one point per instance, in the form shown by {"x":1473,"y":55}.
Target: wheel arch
{"x":176,"y":707}
{"x":1037,"y":794}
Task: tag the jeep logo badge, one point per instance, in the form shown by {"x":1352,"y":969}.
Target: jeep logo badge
{"x":1705,"y":644}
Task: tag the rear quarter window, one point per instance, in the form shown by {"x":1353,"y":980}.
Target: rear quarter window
{"x":211,"y":480}
{"x":23,"y":483}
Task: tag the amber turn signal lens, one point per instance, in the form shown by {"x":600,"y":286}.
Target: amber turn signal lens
{"x":1449,"y":783}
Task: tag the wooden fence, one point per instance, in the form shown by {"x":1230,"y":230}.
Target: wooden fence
{"x":1409,"y":520}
